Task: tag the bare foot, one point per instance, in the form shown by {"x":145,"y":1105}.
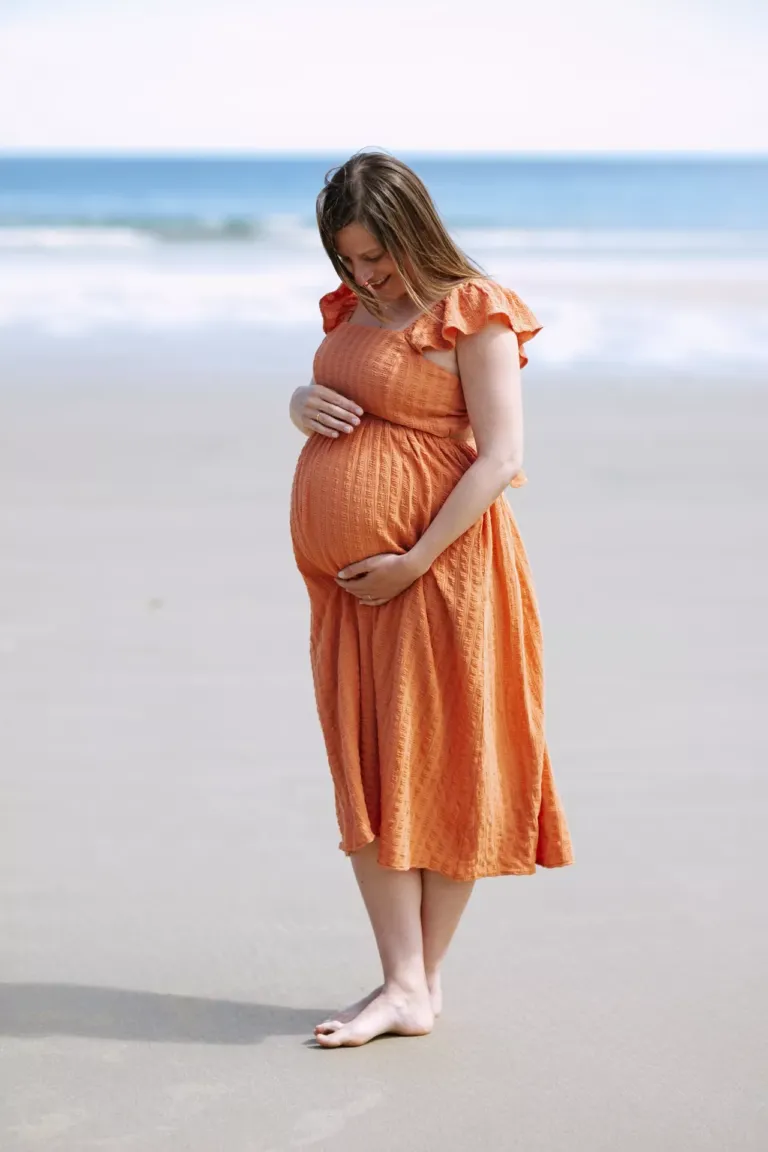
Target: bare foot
{"x":392,"y":1010}
{"x":347,"y":1015}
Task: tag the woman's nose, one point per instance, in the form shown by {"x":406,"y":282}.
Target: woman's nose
{"x":362,"y":276}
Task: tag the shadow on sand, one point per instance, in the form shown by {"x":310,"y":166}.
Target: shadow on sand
{"x":37,"y":1010}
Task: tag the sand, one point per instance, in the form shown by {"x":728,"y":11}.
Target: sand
{"x":175,"y":913}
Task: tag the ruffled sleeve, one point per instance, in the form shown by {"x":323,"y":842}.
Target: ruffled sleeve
{"x":467,"y":309}
{"x":337,"y":306}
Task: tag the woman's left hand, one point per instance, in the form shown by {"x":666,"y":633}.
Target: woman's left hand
{"x":379,"y":579}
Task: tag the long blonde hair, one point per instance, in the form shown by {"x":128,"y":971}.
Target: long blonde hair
{"x":389,"y":200}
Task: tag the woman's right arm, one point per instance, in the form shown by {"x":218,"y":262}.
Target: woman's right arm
{"x":315,"y":408}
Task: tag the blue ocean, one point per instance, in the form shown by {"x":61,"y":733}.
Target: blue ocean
{"x":637,"y":262}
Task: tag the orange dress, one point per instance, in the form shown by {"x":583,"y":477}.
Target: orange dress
{"x":431,"y":705}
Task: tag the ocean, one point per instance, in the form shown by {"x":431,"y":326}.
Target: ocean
{"x":634,"y":263}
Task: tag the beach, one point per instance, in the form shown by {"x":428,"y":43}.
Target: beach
{"x":176,"y":915}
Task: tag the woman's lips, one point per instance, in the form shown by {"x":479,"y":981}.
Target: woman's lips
{"x":378,"y":286}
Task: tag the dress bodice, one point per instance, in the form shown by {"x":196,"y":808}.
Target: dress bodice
{"x":386,"y":372}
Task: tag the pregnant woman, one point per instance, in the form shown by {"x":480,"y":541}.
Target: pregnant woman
{"x":425,"y":639}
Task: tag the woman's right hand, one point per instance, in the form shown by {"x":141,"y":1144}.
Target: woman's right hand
{"x":315,"y":408}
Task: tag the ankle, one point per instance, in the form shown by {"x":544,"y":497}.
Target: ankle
{"x":433,"y":978}
{"x":408,"y":983}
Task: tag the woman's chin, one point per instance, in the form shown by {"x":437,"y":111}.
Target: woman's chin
{"x":391,"y":294}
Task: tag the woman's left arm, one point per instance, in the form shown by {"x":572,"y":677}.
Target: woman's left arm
{"x":490,"y":378}
{"x":489,"y":366}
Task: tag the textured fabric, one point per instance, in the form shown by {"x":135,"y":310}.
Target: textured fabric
{"x":477,"y":301}
{"x":431,"y":705}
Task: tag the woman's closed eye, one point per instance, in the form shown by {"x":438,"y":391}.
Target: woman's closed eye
{"x":345,"y":260}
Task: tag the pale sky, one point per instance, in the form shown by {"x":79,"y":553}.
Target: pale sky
{"x":406,"y":75}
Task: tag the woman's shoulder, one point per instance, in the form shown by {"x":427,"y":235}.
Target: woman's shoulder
{"x":469,"y":307}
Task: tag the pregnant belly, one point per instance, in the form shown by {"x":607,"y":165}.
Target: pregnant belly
{"x":374,"y":491}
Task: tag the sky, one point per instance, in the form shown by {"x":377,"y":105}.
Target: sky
{"x":409,"y":75}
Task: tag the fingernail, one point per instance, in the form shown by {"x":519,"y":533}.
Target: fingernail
{"x":347,"y":429}
{"x":359,"y":411}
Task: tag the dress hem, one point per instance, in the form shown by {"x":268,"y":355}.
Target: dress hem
{"x":458,"y":874}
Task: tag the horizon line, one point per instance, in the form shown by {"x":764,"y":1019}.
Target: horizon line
{"x":333,"y":153}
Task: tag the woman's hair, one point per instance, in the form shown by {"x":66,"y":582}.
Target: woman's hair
{"x":389,"y":200}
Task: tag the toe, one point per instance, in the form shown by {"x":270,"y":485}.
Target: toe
{"x":327,"y":1026}
{"x":330,"y":1039}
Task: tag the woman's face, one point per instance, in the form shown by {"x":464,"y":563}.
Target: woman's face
{"x":368,"y":263}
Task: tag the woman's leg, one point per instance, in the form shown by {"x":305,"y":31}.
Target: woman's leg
{"x":442,"y":904}
{"x":394,"y":903}
{"x":444,"y":901}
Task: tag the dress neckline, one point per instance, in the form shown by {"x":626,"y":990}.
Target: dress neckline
{"x":381,"y":328}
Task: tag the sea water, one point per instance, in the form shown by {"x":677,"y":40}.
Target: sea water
{"x":641,"y":263}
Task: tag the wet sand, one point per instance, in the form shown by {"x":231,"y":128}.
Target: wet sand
{"x":175,"y":912}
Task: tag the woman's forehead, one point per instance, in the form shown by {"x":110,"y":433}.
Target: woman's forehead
{"x":355,"y":240}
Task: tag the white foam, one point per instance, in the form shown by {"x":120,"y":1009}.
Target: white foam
{"x":30,"y":239}
{"x":606,"y":241}
{"x":690,"y":313}
{"x":79,"y":297}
